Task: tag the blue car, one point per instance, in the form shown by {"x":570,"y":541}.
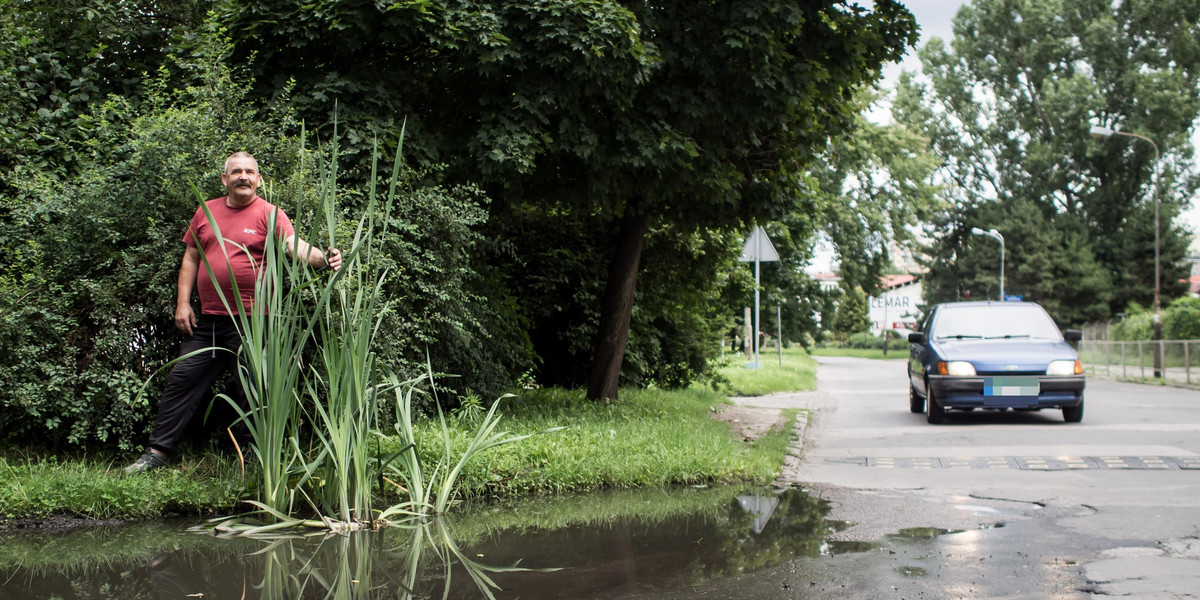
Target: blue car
{"x":993,"y":355}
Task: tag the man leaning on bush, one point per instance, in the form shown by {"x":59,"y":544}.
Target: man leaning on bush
{"x":243,"y":218}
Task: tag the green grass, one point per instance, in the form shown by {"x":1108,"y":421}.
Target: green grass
{"x":897,"y":351}
{"x":95,"y":488}
{"x":647,"y":438}
{"x":798,"y":374}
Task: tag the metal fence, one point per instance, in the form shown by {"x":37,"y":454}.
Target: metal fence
{"x":1180,"y":361}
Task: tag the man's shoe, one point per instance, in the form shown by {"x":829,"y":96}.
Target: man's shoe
{"x":147,"y":462}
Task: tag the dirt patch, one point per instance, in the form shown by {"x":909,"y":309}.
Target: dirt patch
{"x":750,"y":423}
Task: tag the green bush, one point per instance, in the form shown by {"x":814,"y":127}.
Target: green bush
{"x":1181,"y":320}
{"x":677,"y":318}
{"x":88,"y":262}
{"x":864,"y":340}
{"x":88,"y":286}
{"x":852,"y":317}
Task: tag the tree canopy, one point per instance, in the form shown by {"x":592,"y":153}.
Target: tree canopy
{"x":563,"y":158}
{"x":1008,"y":106}
{"x":635,"y":115}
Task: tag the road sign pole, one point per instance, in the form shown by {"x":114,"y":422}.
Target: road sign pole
{"x":757,"y":321}
{"x":754,"y":251}
{"x":779,"y":332}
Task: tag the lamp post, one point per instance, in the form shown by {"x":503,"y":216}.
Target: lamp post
{"x":1104,"y":132}
{"x":992,"y":233}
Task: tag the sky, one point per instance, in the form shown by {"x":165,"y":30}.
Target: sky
{"x":934,"y":17}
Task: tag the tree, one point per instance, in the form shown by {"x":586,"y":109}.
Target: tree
{"x":89,"y":255}
{"x":869,"y":186}
{"x":852,"y":316}
{"x":641,"y":115}
{"x":1008,"y":107}
{"x":874,"y":185}
{"x":60,"y":58}
{"x":88,"y":285}
{"x":1046,"y":261}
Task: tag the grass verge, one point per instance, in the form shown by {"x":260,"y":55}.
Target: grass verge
{"x":95,"y":488}
{"x":798,"y":373}
{"x":647,"y":438}
{"x":897,"y":352}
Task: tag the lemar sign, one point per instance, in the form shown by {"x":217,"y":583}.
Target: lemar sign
{"x":900,"y":302}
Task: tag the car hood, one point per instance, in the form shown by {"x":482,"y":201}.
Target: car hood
{"x":1003,"y":355}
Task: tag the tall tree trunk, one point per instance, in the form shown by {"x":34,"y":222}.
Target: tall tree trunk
{"x":617,"y":309}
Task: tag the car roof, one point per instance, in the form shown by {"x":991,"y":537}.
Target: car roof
{"x":977,"y":303}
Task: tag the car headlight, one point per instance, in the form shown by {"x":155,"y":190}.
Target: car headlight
{"x":956,"y":368}
{"x":1064,"y":367}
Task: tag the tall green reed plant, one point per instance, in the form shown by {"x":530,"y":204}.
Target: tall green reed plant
{"x":273,"y":335}
{"x":344,"y":385}
{"x":328,"y":463}
{"x":431,"y":488}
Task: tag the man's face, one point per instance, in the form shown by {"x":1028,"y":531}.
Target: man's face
{"x":241,"y":179}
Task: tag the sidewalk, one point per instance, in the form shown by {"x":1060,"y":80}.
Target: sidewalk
{"x":753,"y":416}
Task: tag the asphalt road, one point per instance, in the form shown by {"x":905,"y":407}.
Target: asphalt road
{"x":999,"y":504}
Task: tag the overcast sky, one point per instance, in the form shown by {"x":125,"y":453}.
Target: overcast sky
{"x":934,"y":17}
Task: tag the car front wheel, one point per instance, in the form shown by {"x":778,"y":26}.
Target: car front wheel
{"x":1073,"y":414}
{"x":934,"y":412}
{"x":916,"y":404}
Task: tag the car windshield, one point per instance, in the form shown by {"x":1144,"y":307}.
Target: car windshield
{"x":990,"y":321}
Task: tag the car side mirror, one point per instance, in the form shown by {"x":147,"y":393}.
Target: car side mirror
{"x":916,"y":337}
{"x":1072,"y":335}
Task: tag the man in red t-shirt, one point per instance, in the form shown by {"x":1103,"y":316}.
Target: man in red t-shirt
{"x":244,"y":220}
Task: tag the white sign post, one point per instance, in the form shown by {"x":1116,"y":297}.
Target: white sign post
{"x":759,"y":249}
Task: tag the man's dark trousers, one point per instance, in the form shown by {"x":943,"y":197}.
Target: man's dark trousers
{"x":192,"y":378}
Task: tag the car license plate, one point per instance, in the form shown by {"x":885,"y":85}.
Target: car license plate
{"x":1011,"y":386}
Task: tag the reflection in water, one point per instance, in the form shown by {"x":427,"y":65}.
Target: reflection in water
{"x":763,"y":506}
{"x":594,"y":546}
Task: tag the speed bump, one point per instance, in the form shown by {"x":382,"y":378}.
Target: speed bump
{"x":1033,"y":463}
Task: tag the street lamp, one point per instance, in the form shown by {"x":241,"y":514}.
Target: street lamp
{"x":1099,"y":132}
{"x":992,"y":233}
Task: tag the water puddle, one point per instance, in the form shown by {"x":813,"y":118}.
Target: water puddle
{"x":920,"y":533}
{"x":598,"y":546}
{"x":911,"y":571}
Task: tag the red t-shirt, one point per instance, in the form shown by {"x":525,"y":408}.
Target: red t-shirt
{"x":244,"y":230}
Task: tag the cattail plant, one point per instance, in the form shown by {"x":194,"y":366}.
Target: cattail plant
{"x":307,"y":357}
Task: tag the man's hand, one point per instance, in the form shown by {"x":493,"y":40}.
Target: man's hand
{"x":185,"y":319}
{"x":333,"y":258}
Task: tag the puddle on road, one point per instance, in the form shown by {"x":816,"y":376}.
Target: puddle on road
{"x":910,"y":571}
{"x":596,"y":546}
{"x":920,"y":533}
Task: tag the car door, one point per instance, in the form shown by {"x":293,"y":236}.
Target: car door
{"x":916,"y":357}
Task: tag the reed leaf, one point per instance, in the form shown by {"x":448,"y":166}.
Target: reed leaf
{"x":336,"y":391}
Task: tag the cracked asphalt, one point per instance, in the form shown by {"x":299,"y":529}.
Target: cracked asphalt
{"x":1109,"y":507}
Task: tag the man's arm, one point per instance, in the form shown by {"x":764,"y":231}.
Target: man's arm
{"x":313,"y":256}
{"x":185,"y":319}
